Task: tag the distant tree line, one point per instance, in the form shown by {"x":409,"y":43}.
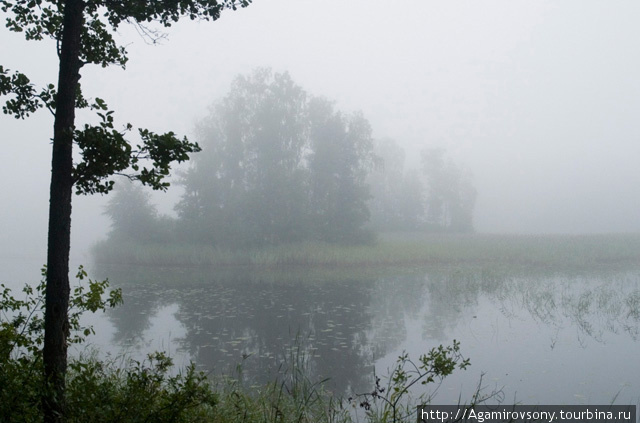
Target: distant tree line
{"x":279,"y":165}
{"x":439,"y":197}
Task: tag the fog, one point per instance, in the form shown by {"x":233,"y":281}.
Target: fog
{"x":539,"y":100}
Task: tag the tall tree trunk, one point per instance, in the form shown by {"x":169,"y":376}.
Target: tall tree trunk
{"x":57,"y":293}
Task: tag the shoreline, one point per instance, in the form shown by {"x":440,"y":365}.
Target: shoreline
{"x":414,"y":250}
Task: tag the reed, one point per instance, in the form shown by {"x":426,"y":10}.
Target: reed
{"x":549,"y":251}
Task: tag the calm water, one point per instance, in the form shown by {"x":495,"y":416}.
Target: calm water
{"x":541,"y":337}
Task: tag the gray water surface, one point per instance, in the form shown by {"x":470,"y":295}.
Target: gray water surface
{"x":538,"y":337}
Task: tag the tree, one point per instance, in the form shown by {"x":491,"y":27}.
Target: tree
{"x":397,"y":193}
{"x":248,"y":185}
{"x":384,"y":181}
{"x":451,"y":196}
{"x":83,"y":30}
{"x":133,"y":216}
{"x":341,"y":156}
{"x":278,"y":166}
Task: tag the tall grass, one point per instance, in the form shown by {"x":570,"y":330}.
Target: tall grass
{"x":131,"y":391}
{"x":393,"y":249}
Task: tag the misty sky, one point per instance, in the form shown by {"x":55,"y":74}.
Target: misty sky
{"x":539,"y":100}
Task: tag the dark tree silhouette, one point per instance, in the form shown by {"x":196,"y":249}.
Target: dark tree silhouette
{"x":83,"y":30}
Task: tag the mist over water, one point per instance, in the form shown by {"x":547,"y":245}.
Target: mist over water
{"x":537,"y":337}
{"x":330,"y":128}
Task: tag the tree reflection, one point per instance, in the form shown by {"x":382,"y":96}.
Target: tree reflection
{"x":341,"y":323}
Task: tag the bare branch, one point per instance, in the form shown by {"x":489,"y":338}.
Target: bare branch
{"x":149,"y":35}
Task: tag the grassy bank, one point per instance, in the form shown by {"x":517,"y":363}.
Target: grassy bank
{"x":547,"y":251}
{"x":142,"y":392}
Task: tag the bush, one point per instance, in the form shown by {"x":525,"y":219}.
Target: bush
{"x":96,"y":391}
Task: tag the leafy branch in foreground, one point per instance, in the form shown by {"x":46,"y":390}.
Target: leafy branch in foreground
{"x":22,"y":321}
{"x":395,"y":399}
{"x":22,"y":337}
{"x":106,"y":152}
{"x":97,"y":391}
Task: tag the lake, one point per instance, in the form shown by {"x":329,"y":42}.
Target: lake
{"x":537,"y":336}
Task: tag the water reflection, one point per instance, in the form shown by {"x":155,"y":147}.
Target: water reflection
{"x":245,"y":317}
{"x":522,"y":328}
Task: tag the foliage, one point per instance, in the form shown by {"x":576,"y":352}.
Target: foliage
{"x":135,"y":218}
{"x":40,"y":19}
{"x":397,"y":201}
{"x":278,"y":167}
{"x":439,"y":198}
{"x":340,"y":158}
{"x":450,"y":195}
{"x":96,"y":391}
{"x":394,"y":402}
{"x":105,"y":152}
{"x":140,"y":392}
{"x":22,"y":326}
{"x":246,"y":187}
{"x":22,"y":336}
{"x":103,"y":148}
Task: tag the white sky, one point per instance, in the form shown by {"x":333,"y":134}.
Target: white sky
{"x":540,"y":100}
